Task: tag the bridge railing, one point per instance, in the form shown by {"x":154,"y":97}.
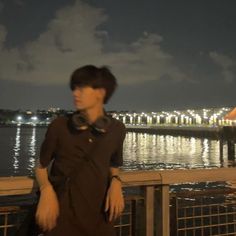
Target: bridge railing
{"x":155,"y":186}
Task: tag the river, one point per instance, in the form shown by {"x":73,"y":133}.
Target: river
{"x":19,"y":148}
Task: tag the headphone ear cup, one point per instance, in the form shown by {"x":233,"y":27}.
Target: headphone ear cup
{"x":79,"y":121}
{"x":102,"y":124}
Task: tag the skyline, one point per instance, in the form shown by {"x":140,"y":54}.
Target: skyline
{"x":165,"y":55}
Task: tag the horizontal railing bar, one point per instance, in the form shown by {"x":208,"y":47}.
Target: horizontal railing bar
{"x":197,"y":175}
{"x":227,"y":234}
{"x":26,"y":185}
{"x":205,"y":226}
{"x":205,"y":216}
{"x":205,"y":192}
{"x":140,"y":178}
{"x":7,"y":226}
{"x":223,"y":204}
{"x":121,"y":225}
{"x":204,"y":206}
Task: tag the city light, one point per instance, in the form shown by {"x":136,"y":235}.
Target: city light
{"x":223,"y":116}
{"x":19,"y":118}
{"x":34,"y":118}
{"x":189,"y":117}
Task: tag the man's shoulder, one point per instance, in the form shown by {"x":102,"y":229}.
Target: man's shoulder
{"x":118,"y":124}
{"x":59,"y":121}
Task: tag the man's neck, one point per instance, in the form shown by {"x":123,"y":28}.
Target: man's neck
{"x":94,"y":113}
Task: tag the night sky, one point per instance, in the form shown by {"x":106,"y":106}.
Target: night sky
{"x":165,"y":54}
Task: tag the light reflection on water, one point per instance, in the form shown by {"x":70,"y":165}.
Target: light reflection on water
{"x":32,"y":151}
{"x":20,"y":147}
{"x":150,"y":151}
{"x":16,"y":149}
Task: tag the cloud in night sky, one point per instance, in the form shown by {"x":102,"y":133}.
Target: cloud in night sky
{"x":165,"y":56}
{"x":226,"y":64}
{"x":73,"y":39}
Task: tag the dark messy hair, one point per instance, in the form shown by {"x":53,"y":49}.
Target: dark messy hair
{"x":94,"y":77}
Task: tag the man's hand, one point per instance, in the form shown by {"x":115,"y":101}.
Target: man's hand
{"x":114,"y":200}
{"x":48,"y":209}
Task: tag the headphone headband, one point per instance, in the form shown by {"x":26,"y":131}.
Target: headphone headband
{"x":80,"y":121}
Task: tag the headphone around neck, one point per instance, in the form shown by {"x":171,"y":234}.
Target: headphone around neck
{"x":80,"y":121}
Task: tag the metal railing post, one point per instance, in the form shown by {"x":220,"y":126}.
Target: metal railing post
{"x":163,"y":211}
{"x":149,"y":199}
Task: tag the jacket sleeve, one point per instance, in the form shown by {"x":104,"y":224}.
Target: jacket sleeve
{"x":49,"y":145}
{"x":117,"y":157}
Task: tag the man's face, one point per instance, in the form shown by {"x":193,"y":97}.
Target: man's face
{"x":87,"y":97}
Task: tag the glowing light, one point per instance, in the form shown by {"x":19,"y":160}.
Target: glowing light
{"x":19,"y":118}
{"x":34,"y":118}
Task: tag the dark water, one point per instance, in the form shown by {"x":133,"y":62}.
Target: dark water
{"x":19,"y":148}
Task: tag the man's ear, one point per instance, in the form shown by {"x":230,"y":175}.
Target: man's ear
{"x":102,"y":93}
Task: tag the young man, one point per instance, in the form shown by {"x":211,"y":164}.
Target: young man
{"x":83,"y":194}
